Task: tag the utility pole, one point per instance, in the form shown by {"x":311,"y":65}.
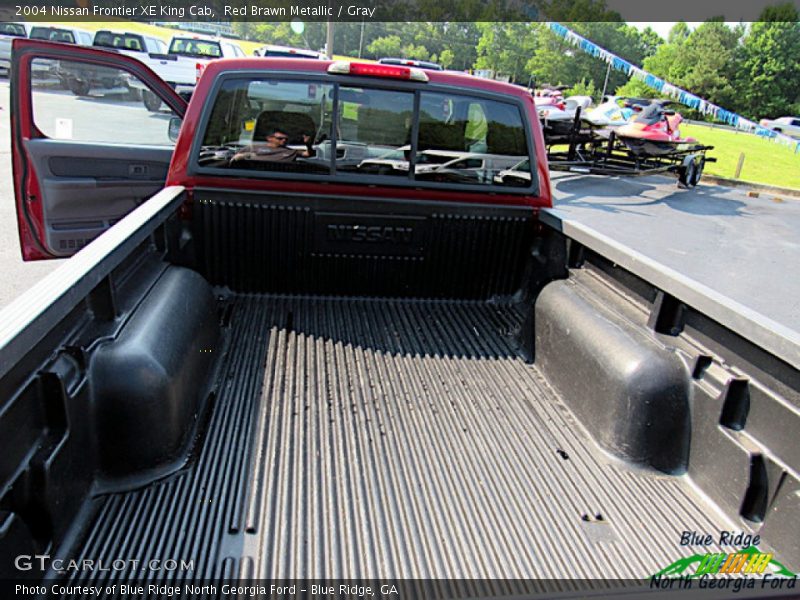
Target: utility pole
{"x":329,"y":41}
{"x":605,"y":83}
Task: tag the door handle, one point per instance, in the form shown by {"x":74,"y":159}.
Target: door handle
{"x":138,"y":170}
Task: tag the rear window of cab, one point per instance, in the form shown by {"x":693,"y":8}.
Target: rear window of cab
{"x":52,"y":34}
{"x":13,"y":29}
{"x":195,"y":47}
{"x":362,"y":131}
{"x":124,"y":41}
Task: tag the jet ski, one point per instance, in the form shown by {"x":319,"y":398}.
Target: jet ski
{"x":608,"y":114}
{"x":614,"y":111}
{"x":550,"y":95}
{"x":558,"y":114}
{"x":654,"y":132}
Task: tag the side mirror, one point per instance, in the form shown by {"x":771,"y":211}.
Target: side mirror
{"x":174,"y":128}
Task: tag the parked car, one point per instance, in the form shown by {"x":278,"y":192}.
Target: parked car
{"x":787,"y":125}
{"x":129,"y":43}
{"x":188,"y":56}
{"x":273,"y":51}
{"x":519,"y":174}
{"x":408,"y":62}
{"x":65,"y":35}
{"x":204,"y":48}
{"x":9,"y":31}
{"x":472,"y":168}
{"x":397,"y":160}
{"x":84,"y":79}
{"x":49,"y":71}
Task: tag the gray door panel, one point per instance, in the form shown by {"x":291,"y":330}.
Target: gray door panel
{"x":83,"y":195}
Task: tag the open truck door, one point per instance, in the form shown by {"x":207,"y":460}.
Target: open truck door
{"x":82,"y":162}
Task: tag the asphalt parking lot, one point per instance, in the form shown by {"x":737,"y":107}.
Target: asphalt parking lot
{"x":16,"y":276}
{"x":745,"y":248}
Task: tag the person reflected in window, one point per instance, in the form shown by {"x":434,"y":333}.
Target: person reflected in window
{"x":275,"y":148}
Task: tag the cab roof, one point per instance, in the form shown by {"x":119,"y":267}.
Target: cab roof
{"x":295,"y":65}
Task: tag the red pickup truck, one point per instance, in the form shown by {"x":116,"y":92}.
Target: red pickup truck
{"x":302,"y":360}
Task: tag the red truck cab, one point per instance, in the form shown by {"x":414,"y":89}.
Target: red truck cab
{"x":359,"y":130}
{"x":396,"y":84}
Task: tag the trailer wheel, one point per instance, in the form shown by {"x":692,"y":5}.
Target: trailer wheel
{"x":689,"y":171}
{"x":79,"y":87}
{"x":151,"y":101}
{"x":686,"y":174}
{"x":698,"y":170}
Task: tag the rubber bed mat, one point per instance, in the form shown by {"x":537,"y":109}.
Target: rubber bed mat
{"x":404,"y":439}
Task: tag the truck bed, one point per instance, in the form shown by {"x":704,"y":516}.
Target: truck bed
{"x":391,"y":438}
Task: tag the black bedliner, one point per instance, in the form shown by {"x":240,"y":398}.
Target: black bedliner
{"x":390,"y":438}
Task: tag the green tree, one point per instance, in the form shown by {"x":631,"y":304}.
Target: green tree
{"x":281,"y":34}
{"x":446,"y":58}
{"x":459,"y":39}
{"x":679,"y":33}
{"x":555,"y":61}
{"x":664,"y":63}
{"x":416,"y":52}
{"x":390,"y":45}
{"x":769,"y":77}
{"x":704,"y":62}
{"x":708,"y":62}
{"x":649,"y":42}
{"x":583,"y":88}
{"x":505,"y":48}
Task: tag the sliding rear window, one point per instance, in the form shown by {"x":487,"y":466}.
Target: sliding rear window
{"x":52,"y":34}
{"x":123,"y":41}
{"x":12,"y":29}
{"x":360,"y":133}
{"x":195,"y":48}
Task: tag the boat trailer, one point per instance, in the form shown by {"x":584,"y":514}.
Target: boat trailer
{"x":601,"y":152}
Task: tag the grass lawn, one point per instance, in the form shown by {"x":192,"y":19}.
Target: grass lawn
{"x":764,"y":161}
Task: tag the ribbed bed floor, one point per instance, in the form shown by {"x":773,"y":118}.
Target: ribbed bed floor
{"x":358,"y":438}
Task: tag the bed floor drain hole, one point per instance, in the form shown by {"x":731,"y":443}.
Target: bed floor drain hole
{"x":597,"y":518}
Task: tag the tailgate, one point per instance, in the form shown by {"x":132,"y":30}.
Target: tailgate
{"x":174,"y":69}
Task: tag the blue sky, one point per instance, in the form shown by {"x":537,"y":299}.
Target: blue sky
{"x":661,"y":28}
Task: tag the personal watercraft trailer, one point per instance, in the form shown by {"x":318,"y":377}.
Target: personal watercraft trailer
{"x":609,"y":152}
